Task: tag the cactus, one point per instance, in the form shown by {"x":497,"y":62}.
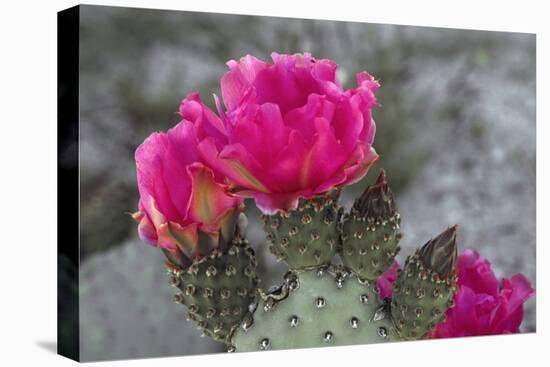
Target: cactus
{"x":332,"y":305}
{"x":320,"y":303}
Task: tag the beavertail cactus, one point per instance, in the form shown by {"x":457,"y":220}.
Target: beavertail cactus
{"x":291,"y":138}
{"x":333,"y":305}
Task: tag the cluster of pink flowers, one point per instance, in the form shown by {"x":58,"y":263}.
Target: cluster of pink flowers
{"x":288,"y":131}
{"x":482,"y":306}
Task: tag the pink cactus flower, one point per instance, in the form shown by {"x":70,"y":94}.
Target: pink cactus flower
{"x":289,"y":130}
{"x":482,"y":307}
{"x":384,"y":283}
{"x":179,"y":196}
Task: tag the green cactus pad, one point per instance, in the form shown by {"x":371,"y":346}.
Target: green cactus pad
{"x":371,"y":232}
{"x":218,"y":289}
{"x":306,"y":236}
{"x":369,"y":245}
{"x":315,"y":308}
{"x":420,"y":298}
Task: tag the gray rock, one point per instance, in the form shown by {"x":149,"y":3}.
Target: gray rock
{"x":127,"y":309}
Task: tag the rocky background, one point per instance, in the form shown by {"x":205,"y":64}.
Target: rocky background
{"x":456,"y":132}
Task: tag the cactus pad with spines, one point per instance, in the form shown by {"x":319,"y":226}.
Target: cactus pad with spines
{"x":425,"y":287}
{"x":218,"y":289}
{"x":319,"y":303}
{"x":308,"y":235}
{"x":314,"y":308}
{"x":371,"y":231}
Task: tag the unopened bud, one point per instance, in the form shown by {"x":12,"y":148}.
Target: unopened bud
{"x":440,"y":253}
{"x":377,"y":200}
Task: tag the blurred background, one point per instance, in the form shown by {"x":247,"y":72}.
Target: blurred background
{"x":456,"y":132}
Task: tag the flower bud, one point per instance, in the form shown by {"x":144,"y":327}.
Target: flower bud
{"x":440,"y":253}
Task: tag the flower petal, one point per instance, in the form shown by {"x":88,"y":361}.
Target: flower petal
{"x":475,"y":272}
{"x":240,"y":77}
{"x":209,"y":199}
{"x":514,"y":293}
{"x":360,"y":163}
{"x":205,"y":120}
{"x":386,"y":280}
{"x":146,"y":229}
{"x":172,"y":235}
{"x":271,"y":203}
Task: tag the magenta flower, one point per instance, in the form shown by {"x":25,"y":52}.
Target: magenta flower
{"x":481,"y":306}
{"x":179,"y":196}
{"x":384,"y":283}
{"x":289,"y":130}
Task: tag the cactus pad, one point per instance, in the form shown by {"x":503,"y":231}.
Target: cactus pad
{"x":314,"y":308}
{"x":306,"y":236}
{"x":424,"y":289}
{"x":371,"y":232}
{"x":218,"y":289}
